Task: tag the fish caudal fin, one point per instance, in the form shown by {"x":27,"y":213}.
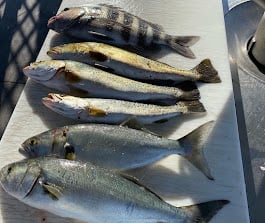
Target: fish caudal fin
{"x":189,"y":90}
{"x":207,"y":72}
{"x":193,"y":143}
{"x":191,"y":106}
{"x":181,"y":44}
{"x":202,"y":213}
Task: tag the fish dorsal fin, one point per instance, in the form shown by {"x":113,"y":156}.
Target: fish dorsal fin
{"x":136,"y":181}
{"x":133,"y":123}
{"x":153,"y":25}
{"x":54,"y":191}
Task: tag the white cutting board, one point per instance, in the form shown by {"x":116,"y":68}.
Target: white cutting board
{"x":173,"y":178}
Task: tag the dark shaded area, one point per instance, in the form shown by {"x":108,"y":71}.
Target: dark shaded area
{"x":23,"y":28}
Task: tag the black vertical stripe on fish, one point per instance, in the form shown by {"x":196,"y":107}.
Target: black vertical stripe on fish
{"x":127,"y":20}
{"x":156,"y":35}
{"x":168,"y":39}
{"x":142,"y":32}
{"x":112,"y":14}
{"x":126,"y":33}
{"x":109,"y":26}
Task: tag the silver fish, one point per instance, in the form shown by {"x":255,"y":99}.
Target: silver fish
{"x":111,"y":111}
{"x":80,"y":79}
{"x":112,"y":25}
{"x":117,"y":147}
{"x":131,"y":65}
{"x":92,"y":194}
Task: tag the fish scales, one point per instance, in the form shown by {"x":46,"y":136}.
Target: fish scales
{"x":93,"y":194}
{"x":111,"y":24}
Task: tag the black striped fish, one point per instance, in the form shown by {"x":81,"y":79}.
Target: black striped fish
{"x":112,"y":25}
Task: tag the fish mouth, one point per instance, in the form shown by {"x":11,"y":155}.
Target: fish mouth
{"x":63,"y":21}
{"x":26,"y":151}
{"x":51,"y":99}
{"x":39,"y":73}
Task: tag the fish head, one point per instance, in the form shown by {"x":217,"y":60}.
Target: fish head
{"x":66,"y":19}
{"x":64,"y":104}
{"x":19,"y":178}
{"x":48,"y":143}
{"x":44,"y":70}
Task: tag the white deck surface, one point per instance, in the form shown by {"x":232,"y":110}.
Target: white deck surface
{"x":173,"y":178}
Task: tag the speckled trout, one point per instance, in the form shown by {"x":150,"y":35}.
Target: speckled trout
{"x":131,"y":65}
{"x":112,"y":111}
{"x":117,"y":147}
{"x":114,"y":26}
{"x":92,"y":194}
{"x":79,"y":79}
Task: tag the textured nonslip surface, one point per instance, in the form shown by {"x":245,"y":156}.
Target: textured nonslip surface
{"x":173,"y":178}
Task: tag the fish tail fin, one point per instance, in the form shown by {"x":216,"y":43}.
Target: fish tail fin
{"x":191,"y":106}
{"x":189,"y":90}
{"x":207,"y":72}
{"x":203,"y":212}
{"x":193,"y":143}
{"x":181,"y":44}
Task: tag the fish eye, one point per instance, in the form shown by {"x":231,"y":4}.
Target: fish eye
{"x":66,"y":9}
{"x":33,"y":142}
{"x":9,"y":170}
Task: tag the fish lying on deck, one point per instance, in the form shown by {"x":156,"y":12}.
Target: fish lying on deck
{"x":92,"y":194}
{"x":117,"y":147}
{"x":131,"y":65}
{"x":112,"y":111}
{"x":79,"y":79}
{"x":112,"y":25}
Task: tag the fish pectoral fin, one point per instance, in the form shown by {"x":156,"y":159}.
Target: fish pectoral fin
{"x":133,"y":123}
{"x":100,"y":36}
{"x":96,"y":112}
{"x":136,"y":181}
{"x":54,"y":191}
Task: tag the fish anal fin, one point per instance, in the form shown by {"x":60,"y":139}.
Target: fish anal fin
{"x":54,"y":191}
{"x":137,"y":182}
{"x":96,"y":112}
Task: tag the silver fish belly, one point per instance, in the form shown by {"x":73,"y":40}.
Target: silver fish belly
{"x":112,"y":25}
{"x":93,"y":194}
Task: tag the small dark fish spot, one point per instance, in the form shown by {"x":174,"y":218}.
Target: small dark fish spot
{"x":66,"y":9}
{"x":98,"y":56}
{"x":43,"y":219}
{"x":9,"y":170}
{"x":71,"y":77}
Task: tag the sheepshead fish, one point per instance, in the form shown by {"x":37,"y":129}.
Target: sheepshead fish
{"x":79,"y":79}
{"x":92,"y":194}
{"x":111,"y":111}
{"x":117,"y":147}
{"x":131,"y":65}
{"x":112,"y":25}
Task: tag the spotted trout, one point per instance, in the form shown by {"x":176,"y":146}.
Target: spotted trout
{"x":79,"y":79}
{"x":132,"y":65}
{"x":92,"y":194}
{"x":117,"y":147}
{"x":112,"y":25}
{"x":112,"y":111}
